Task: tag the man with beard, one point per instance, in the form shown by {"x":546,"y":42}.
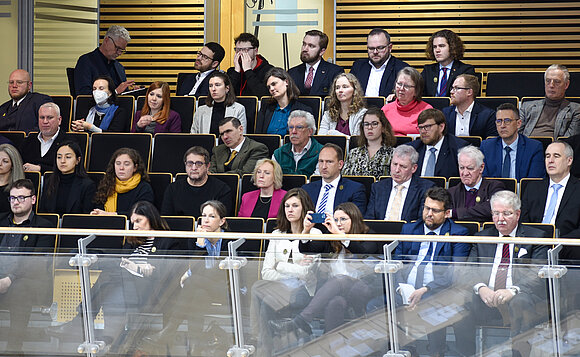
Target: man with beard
{"x":208,"y":60}
{"x":314,"y":76}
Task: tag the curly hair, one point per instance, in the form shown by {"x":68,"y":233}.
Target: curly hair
{"x":456,"y":46}
{"x":358,"y":101}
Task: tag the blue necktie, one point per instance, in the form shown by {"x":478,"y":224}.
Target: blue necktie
{"x":552,"y":204}
{"x":322,"y":206}
{"x":430,"y":169}
{"x":443,"y":86}
{"x":507,"y":163}
{"x":421,"y":268}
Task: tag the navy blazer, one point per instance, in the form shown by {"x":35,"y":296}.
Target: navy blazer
{"x":412,"y":207}
{"x":92,"y":65}
{"x":188,"y":82}
{"x":347,"y":191}
{"x":431,"y":76}
{"x":25,"y":118}
{"x":323,"y":78}
{"x":444,"y":252}
{"x":529,"y":158}
{"x":446,"y":164}
{"x":362,"y":69}
{"x":481,"y":122}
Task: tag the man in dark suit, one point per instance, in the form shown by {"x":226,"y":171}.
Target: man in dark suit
{"x":511,"y":154}
{"x":21,"y":111}
{"x":208,"y":60}
{"x":436,"y":147}
{"x":334,"y":189}
{"x":378,"y":73}
{"x":447,"y":48}
{"x":314,"y":76}
{"x":506,"y":287}
{"x":427,"y":278}
{"x":237,"y":154}
{"x":400,"y":196}
{"x":471,"y":196}
{"x":465,"y":117}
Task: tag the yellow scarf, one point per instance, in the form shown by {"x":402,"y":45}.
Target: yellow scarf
{"x":121,"y":187}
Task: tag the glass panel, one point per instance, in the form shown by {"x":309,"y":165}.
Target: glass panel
{"x":569,"y":317}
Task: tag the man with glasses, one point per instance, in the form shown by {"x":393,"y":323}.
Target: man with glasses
{"x":103,"y":62}
{"x":237,"y":154}
{"x":248,"y":74}
{"x":554,"y":115}
{"x":465,"y":117}
{"x":436,"y":147}
{"x":185,"y":196}
{"x":208,"y":60}
{"x":378,"y":73}
{"x":511,"y":154}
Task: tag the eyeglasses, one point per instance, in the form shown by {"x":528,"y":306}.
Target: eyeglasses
{"x":506,"y":121}
{"x":18,"y":83}
{"x":243,"y":49}
{"x":456,"y":88}
{"x":378,"y":48}
{"x":20,"y":199}
{"x":556,"y":82}
{"x":341,"y":219}
{"x":434,"y":210}
{"x":404,"y":86}
{"x":297,"y":127}
{"x":371,"y":125}
{"x":117,"y":48}
{"x":506,"y":214}
{"x":203,"y":57}
{"x":425,"y":127}
{"x":196,"y":163}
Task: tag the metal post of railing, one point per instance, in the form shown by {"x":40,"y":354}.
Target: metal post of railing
{"x":553,"y":272}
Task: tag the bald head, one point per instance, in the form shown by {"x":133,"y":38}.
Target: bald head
{"x":19,"y":84}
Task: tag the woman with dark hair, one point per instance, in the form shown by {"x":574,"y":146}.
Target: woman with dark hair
{"x":105,"y":114}
{"x":11,"y":170}
{"x":68,"y":189}
{"x":273,"y":117}
{"x":265,"y":201}
{"x":156,"y":117}
{"x":126,"y":181}
{"x":219,"y":104}
{"x":345,"y":108}
{"x":373,"y":155}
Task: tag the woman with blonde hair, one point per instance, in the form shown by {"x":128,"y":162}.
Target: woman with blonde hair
{"x":345,"y":109}
{"x":265,"y":201}
{"x":156,"y":117}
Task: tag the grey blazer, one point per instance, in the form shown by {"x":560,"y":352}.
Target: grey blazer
{"x":567,"y":120}
{"x":202,"y":117}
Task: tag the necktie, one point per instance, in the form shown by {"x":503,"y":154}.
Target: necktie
{"x":507,"y":163}
{"x":232,"y":157}
{"x":552,"y":204}
{"x":502,"y":270}
{"x":470,"y":198}
{"x":430,"y":169}
{"x":12,"y":109}
{"x":443,"y":86}
{"x":396,"y":204}
{"x":309,"y":78}
{"x":322,"y":206}
{"x":421,"y":268}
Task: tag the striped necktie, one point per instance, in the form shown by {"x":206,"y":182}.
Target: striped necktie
{"x":322,"y":206}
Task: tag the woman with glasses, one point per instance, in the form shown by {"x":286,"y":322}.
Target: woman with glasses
{"x":220,"y":104}
{"x":273,"y":115}
{"x":156,"y":117}
{"x":11,"y":170}
{"x":402,"y":113}
{"x":346,"y":107}
{"x":373,"y":155}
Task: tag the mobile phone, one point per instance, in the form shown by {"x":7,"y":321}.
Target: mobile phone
{"x":318,"y":217}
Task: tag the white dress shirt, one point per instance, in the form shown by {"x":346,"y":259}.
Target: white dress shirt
{"x":564,"y":182}
{"x":406,"y":185}
{"x":462,"y":121}
{"x":428,"y":273}
{"x":375,"y":78}
{"x":428,"y":154}
{"x":329,"y":208}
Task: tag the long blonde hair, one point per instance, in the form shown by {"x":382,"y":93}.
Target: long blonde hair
{"x":357,"y":102}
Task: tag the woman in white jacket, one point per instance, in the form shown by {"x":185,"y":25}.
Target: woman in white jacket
{"x":345,"y":109}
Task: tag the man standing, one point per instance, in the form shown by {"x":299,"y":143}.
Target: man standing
{"x":465,"y":117}
{"x":184,"y":196}
{"x":21,"y":111}
{"x":510,"y":154}
{"x":471,"y":197}
{"x":399,"y":197}
{"x":554,"y":115}
{"x":300,"y":155}
{"x":248,"y":74}
{"x":208,"y":60}
{"x":314,"y":76}
{"x":237,"y":154}
{"x":378,"y":73}
{"x":334,"y":189}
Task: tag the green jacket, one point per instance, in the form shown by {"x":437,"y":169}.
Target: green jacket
{"x":306,"y":165}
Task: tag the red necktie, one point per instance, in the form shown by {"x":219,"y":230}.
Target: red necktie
{"x":502,"y":270}
{"x":443,"y":87}
{"x":309,"y":78}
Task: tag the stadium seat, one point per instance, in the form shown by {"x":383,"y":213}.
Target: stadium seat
{"x":272,"y":141}
{"x":184,"y":106}
{"x":520,"y":84}
{"x":437,"y":102}
{"x":159,"y":182}
{"x":103,"y":145}
{"x":168,"y":150}
{"x":494,"y":102}
{"x":16,"y":137}
{"x":87,"y":221}
{"x":472,"y":227}
{"x":65,"y":103}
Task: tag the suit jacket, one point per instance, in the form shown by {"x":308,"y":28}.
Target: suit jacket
{"x":412,"y":207}
{"x":574,"y":141}
{"x":347,"y":191}
{"x":244,"y":162}
{"x":481,"y":212}
{"x":362,"y":69}
{"x":249,"y":200}
{"x":567,"y":120}
{"x":529,"y":158}
{"x":481,"y":122}
{"x":93,"y":64}
{"x":267,"y":111}
{"x":431,"y":76}
{"x":80,"y":197}
{"x":189,"y":81}
{"x":30,"y":151}
{"x":25,"y":118}
{"x":446,"y":164}
{"x":444,"y":252}
{"x":323,"y":78}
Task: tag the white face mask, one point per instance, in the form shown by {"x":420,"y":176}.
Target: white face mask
{"x":100,"y":97}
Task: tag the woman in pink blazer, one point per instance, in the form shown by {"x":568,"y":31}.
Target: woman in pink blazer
{"x":265,"y":201}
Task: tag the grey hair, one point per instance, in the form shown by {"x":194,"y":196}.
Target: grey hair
{"x":52,"y":105}
{"x":306,"y":115}
{"x":568,"y":151}
{"x":472,"y":152}
{"x":561,"y":68}
{"x":506,"y":197}
{"x":407,"y":151}
{"x":116,"y":31}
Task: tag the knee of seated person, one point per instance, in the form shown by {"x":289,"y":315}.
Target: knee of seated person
{"x":337,"y":302}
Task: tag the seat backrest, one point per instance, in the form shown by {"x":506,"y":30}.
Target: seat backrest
{"x":103,"y":145}
{"x":339,"y":140}
{"x":248,"y":225}
{"x":472,"y":140}
{"x":494,"y":102}
{"x":82,"y":139}
{"x":545,"y":140}
{"x":437,"y":180}
{"x":250,"y":104}
{"x":34,"y":176}
{"x":437,"y":102}
{"x":169,"y":150}
{"x":233,"y":182}
{"x":313,"y":102}
{"x":17,"y":137}
{"x":96,"y":176}
{"x":247,"y":184}
{"x":524,"y":183}
{"x":70,"y":76}
{"x":180,"y":78}
{"x":184,"y":106}
{"x":159,"y":183}
{"x":292,"y":181}
{"x":87,"y":221}
{"x":472,"y":227}
{"x":270,"y":225}
{"x":520,"y":83}
{"x":380,"y":226}
{"x":181,"y":223}
{"x":270,"y":140}
{"x":401,"y":140}
{"x":378,"y":102}
{"x":65,"y":103}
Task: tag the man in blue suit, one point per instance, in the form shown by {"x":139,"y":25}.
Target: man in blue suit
{"x":399,"y":197}
{"x":511,"y":154}
{"x":314,"y":76}
{"x":428,"y":278}
{"x":336,"y":189}
{"x":208,"y":60}
{"x":378,"y":73}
